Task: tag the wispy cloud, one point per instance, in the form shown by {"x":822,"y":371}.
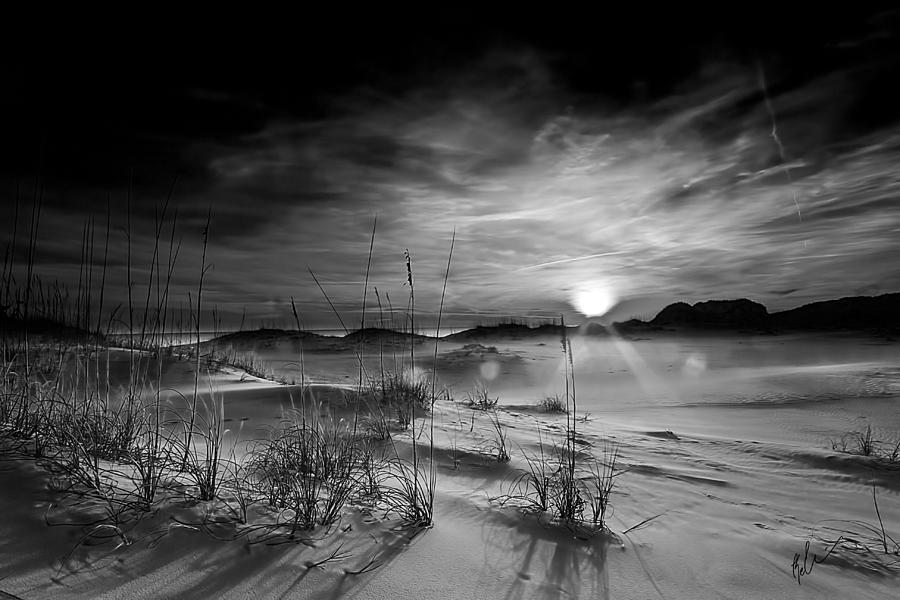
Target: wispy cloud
{"x":551,"y":193}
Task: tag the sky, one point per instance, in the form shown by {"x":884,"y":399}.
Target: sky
{"x":587,"y":164}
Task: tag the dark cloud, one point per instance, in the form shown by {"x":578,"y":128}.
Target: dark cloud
{"x":627,"y":156}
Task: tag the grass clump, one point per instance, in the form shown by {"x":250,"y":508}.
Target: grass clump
{"x":500,"y":451}
{"x":408,"y":491}
{"x":864,"y":443}
{"x":561,"y":481}
{"x":402,"y":394}
{"x":204,"y":451}
{"x":554,"y":404}
{"x":479,"y":398}
{"x":308,"y":470}
{"x":549,"y":486}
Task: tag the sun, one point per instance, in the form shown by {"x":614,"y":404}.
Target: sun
{"x":593,"y":301}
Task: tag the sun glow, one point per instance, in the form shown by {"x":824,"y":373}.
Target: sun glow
{"x":593,"y":301}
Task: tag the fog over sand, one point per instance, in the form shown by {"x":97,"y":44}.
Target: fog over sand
{"x":725,"y":442}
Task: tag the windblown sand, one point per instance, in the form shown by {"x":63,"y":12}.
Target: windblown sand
{"x":726,"y":443}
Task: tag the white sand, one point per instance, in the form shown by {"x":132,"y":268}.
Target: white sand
{"x":750,"y":474}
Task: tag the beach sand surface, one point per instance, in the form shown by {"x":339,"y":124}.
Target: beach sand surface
{"x":725,"y":443}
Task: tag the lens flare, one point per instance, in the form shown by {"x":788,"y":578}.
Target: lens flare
{"x":593,"y":301}
{"x":490,"y":370}
{"x":694,"y":365}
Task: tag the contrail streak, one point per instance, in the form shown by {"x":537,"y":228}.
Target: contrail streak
{"x":569,"y":260}
{"x":774,"y":134}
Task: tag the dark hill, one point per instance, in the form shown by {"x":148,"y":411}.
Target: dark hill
{"x":740,"y":314}
{"x":267,"y":338}
{"x":509,"y":331}
{"x":857,"y":312}
{"x":44,"y":327}
{"x":679,"y":313}
{"x":265,"y":335}
{"x":881,"y":313}
{"x":374,"y":335}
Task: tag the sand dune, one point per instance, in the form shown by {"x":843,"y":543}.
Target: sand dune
{"x":728,"y":470}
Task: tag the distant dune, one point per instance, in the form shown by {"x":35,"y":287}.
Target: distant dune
{"x":741,"y":313}
{"x":262,"y":338}
{"x":43,"y":326}
{"x":859,"y":313}
{"x":377,"y":335}
{"x":273,"y":334}
{"x":508,"y":331}
{"x":854,"y":313}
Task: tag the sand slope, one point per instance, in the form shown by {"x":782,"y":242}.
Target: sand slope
{"x":732,"y":462}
